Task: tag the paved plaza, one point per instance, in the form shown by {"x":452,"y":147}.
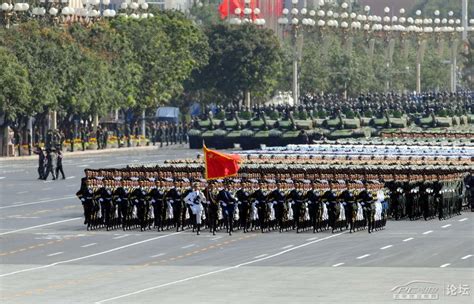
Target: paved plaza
{"x":47,"y":256}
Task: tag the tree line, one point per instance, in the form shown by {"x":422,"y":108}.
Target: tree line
{"x":134,"y":65}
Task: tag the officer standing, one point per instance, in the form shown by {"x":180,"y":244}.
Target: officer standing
{"x":175,"y":133}
{"x":59,"y":164}
{"x":153,"y":133}
{"x":105,"y":138}
{"x":167,"y":133}
{"x":98,"y":137}
{"x":41,"y":160}
{"x":185,"y":132}
{"x":49,"y":165}
{"x":179,"y":130}
{"x":161,"y":134}
{"x":83,"y":138}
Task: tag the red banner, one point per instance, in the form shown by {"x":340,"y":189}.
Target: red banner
{"x":220,"y":165}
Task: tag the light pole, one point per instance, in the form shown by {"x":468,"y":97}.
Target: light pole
{"x":13,"y":13}
{"x":294,"y":21}
{"x":416,"y":28}
{"x":247,"y":15}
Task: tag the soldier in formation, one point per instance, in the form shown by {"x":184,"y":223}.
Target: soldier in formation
{"x":286,"y":189}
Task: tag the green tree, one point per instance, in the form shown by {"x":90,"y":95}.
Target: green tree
{"x":242,"y":58}
{"x":314,"y":69}
{"x":174,"y":48}
{"x":15,"y":93}
{"x":206,"y":13}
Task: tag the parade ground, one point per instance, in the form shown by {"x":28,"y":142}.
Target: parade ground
{"x":47,"y":256}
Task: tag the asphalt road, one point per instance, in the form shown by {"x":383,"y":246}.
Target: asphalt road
{"x":47,"y":256}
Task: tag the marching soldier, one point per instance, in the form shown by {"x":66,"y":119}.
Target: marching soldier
{"x":313,"y":196}
{"x":297,"y":196}
{"x":157,"y":195}
{"x":195,"y":199}
{"x":277,"y":197}
{"x":243,"y":196}
{"x":259,"y":198}
{"x":86,"y":196}
{"x":173,"y":198}
{"x":211,"y":199}
{"x":228,"y":203}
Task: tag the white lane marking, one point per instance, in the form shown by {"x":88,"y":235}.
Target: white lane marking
{"x":157,"y":255}
{"x":428,"y":232}
{"x":120,"y":236}
{"x":466,"y":257}
{"x":83,"y":166}
{"x":286,"y":247}
{"x":56,"y":253}
{"x":386,"y":247}
{"x":22,"y":192}
{"x":409,"y":239}
{"x":216,"y":238}
{"x":219,"y":270}
{"x":38,"y":226}
{"x":261,"y":256}
{"x":188,"y":246}
{"x":46,"y":189}
{"x":2,"y":177}
{"x":19,"y":204}
{"x":446,"y":226}
{"x":445,"y":265}
{"x":88,"y":245}
{"x":363,"y":256}
{"x":48,"y":181}
{"x":312,"y":239}
{"x":337,"y":265}
{"x":24,"y":217}
{"x":463,"y":219}
{"x":88,"y":256}
{"x":70,"y":177}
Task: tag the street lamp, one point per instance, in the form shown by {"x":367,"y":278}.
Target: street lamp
{"x":12,"y":13}
{"x":247,"y":15}
{"x":135,"y":10}
{"x":294,"y":21}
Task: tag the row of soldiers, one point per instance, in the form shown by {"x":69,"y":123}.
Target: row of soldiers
{"x":369,"y":105}
{"x":168,"y":133}
{"x":50,"y":161}
{"x":243,"y":204}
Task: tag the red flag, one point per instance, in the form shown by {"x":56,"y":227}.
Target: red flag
{"x":225,"y":10}
{"x":220,"y":165}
